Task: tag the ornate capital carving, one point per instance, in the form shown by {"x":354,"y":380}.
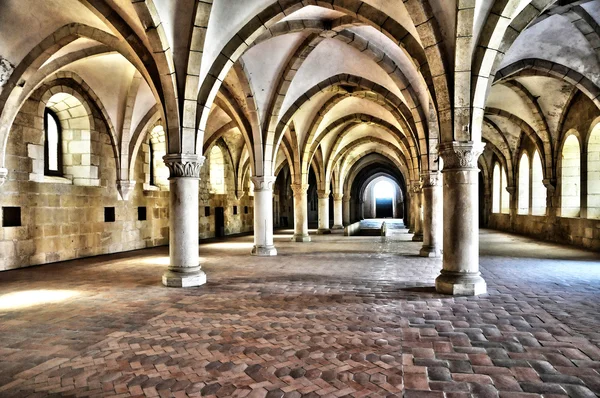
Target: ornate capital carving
{"x":299,"y":189}
{"x":461,"y":154}
{"x":415,"y":186}
{"x":431,"y":179}
{"x":511,"y":190}
{"x":338,"y":196}
{"x":184,"y":165}
{"x":3,"y":176}
{"x":323,"y":194}
{"x":263,"y":183}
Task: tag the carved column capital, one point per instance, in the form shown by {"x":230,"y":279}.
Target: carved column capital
{"x":323,"y":194}
{"x":511,"y":190}
{"x":183,"y":165}
{"x":461,"y":154}
{"x":263,"y":183}
{"x":3,"y":175}
{"x":415,"y":186}
{"x":431,"y":179}
{"x":125,"y":188}
{"x":338,"y":196}
{"x":299,"y":189}
{"x":550,"y":184}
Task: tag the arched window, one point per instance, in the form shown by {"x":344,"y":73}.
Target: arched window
{"x":538,"y":190}
{"x":496,"y":189}
{"x":593,"y":202}
{"x":217,"y":171}
{"x":52,"y":144}
{"x":570,"y":172}
{"x":151,"y":163}
{"x":504,"y":196}
{"x":524,"y":185}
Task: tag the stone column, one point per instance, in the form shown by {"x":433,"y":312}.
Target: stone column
{"x":418,"y":220}
{"x":300,"y":213}
{"x":323,"y":212}
{"x":263,"y":216}
{"x":411,"y":215}
{"x":337,"y":211}
{"x":346,"y":211}
{"x":513,"y":205}
{"x":432,"y":222}
{"x":184,"y":269}
{"x":551,"y":202}
{"x":460,"y":275}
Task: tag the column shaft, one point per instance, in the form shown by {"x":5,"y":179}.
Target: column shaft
{"x":263,"y":216}
{"x":346,"y":211}
{"x":418,"y":220}
{"x":432,"y":212}
{"x":184,"y":269}
{"x":300,"y":213}
{"x":338,"y":211}
{"x":323,"y":213}
{"x":460,"y":274}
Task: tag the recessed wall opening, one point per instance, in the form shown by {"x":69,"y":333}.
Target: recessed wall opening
{"x":384,"y":193}
{"x":109,"y":214}
{"x":11,"y":216}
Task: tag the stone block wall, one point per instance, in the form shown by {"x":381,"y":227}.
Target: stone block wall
{"x":63,"y":221}
{"x":575,"y":231}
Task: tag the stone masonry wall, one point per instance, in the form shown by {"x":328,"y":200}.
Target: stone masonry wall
{"x":62,"y":221}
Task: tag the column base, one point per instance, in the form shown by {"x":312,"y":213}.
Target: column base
{"x":431,"y":252}
{"x":184,"y":279}
{"x":460,"y":284}
{"x":337,"y":227}
{"x":323,"y":231}
{"x":264,"y":251}
{"x":411,"y":230}
{"x":417,"y":238}
{"x":301,"y":238}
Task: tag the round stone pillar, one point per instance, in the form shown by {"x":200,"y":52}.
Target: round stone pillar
{"x":460,"y":275}
{"x":418,"y":220}
{"x":300,"y":213}
{"x":263,"y":216}
{"x":432,"y":220}
{"x":338,"y":211}
{"x":184,"y":269}
{"x":323,"y":212}
{"x":346,"y":211}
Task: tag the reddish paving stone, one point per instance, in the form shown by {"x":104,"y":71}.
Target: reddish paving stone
{"x":331,"y":319}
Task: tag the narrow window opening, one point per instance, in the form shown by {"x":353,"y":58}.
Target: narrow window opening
{"x":245,"y":209}
{"x":151,"y":164}
{"x":206,"y":211}
{"x":235,"y":210}
{"x":52,"y":144}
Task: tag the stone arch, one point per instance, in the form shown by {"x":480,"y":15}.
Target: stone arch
{"x":154,"y":150}
{"x":13,"y":94}
{"x":83,"y":120}
{"x":354,"y":8}
{"x":499,"y":32}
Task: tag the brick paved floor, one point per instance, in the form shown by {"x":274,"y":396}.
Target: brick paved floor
{"x":336,"y":317}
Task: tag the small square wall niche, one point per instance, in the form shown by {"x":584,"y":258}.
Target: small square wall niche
{"x":109,"y":214}
{"x":11,"y":216}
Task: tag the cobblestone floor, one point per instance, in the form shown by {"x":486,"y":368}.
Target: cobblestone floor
{"x":336,"y":317}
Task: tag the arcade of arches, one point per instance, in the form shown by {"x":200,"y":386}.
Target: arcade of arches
{"x":137,"y":124}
